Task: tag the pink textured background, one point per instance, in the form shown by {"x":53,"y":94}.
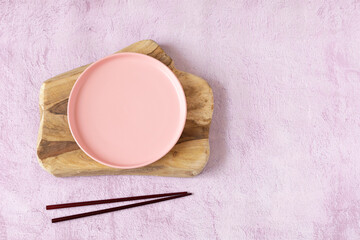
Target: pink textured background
{"x":285,"y":137}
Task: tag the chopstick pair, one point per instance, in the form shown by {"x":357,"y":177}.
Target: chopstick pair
{"x":162,"y":197}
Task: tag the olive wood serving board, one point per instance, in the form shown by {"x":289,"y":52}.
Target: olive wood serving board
{"x":59,"y":154}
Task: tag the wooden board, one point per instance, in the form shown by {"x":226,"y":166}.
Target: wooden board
{"x":59,"y":154}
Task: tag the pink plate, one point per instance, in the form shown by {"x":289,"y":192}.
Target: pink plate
{"x":127,"y":110}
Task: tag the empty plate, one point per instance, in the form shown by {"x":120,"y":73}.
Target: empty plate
{"x":127,"y":110}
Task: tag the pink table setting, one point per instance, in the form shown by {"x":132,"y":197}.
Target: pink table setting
{"x":179,"y":120}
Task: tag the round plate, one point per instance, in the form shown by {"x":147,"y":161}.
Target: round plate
{"x":127,"y":110}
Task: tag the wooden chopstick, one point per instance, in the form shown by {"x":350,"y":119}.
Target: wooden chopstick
{"x":107,"y":210}
{"x":112,"y":200}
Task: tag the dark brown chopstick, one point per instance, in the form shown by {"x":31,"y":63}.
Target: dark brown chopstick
{"x":87,"y":203}
{"x":107,"y":210}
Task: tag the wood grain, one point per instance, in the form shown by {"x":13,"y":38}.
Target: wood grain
{"x":59,"y":154}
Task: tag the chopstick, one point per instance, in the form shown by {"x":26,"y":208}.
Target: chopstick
{"x":87,"y":203}
{"x":107,"y":210}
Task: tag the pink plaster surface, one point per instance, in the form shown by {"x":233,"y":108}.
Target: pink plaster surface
{"x":285,"y":139}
